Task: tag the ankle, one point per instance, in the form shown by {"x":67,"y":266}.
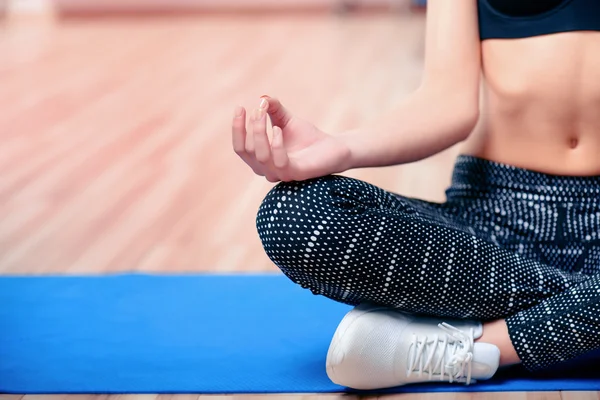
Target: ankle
{"x":496,"y":333}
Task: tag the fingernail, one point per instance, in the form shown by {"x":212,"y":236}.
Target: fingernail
{"x":265,"y":96}
{"x":238,"y":112}
{"x":263,"y":104}
{"x":258,"y":113}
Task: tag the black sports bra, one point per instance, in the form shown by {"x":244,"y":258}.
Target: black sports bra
{"x":511,"y":19}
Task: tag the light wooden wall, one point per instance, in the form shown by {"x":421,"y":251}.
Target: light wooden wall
{"x":219,"y":5}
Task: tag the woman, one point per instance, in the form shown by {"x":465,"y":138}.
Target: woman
{"x":507,"y":270}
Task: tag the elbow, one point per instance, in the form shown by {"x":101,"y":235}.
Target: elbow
{"x":459,"y":104}
{"x":463,"y":112}
{"x":466,"y":120}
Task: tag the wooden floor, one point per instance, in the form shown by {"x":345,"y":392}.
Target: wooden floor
{"x":115,"y":139}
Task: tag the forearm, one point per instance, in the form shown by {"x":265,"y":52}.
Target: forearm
{"x":427,"y":122}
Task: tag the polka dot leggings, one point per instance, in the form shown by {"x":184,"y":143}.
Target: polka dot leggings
{"x":508,"y":243}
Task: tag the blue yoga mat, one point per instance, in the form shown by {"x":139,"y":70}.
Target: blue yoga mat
{"x":189,"y":334}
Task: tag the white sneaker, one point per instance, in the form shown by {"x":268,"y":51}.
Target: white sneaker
{"x":376,"y":348}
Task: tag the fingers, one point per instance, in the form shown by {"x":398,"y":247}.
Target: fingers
{"x":279,"y":115}
{"x":241,"y":145}
{"x":280,"y":157}
{"x":239,"y":131}
{"x":262,"y":149}
{"x":266,"y":159}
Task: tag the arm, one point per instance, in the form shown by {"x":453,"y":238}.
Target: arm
{"x":445,"y":108}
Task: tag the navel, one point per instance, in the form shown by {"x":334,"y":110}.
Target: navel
{"x":573,"y":142}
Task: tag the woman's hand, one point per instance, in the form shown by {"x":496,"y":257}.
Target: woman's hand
{"x":297,"y":151}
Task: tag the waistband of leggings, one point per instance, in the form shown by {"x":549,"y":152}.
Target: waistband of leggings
{"x":477,"y":174}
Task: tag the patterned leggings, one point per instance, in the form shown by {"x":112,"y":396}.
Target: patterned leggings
{"x":508,"y":243}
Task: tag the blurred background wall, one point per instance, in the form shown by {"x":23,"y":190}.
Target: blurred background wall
{"x":115,"y":6}
{"x":115,"y":136}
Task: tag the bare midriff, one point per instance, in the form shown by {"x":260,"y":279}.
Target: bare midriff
{"x":541,"y":104}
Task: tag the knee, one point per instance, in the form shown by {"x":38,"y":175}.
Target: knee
{"x":294,"y":218}
{"x":284,"y":215}
{"x":310,"y":200}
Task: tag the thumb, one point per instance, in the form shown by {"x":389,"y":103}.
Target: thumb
{"x":279,"y":115}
